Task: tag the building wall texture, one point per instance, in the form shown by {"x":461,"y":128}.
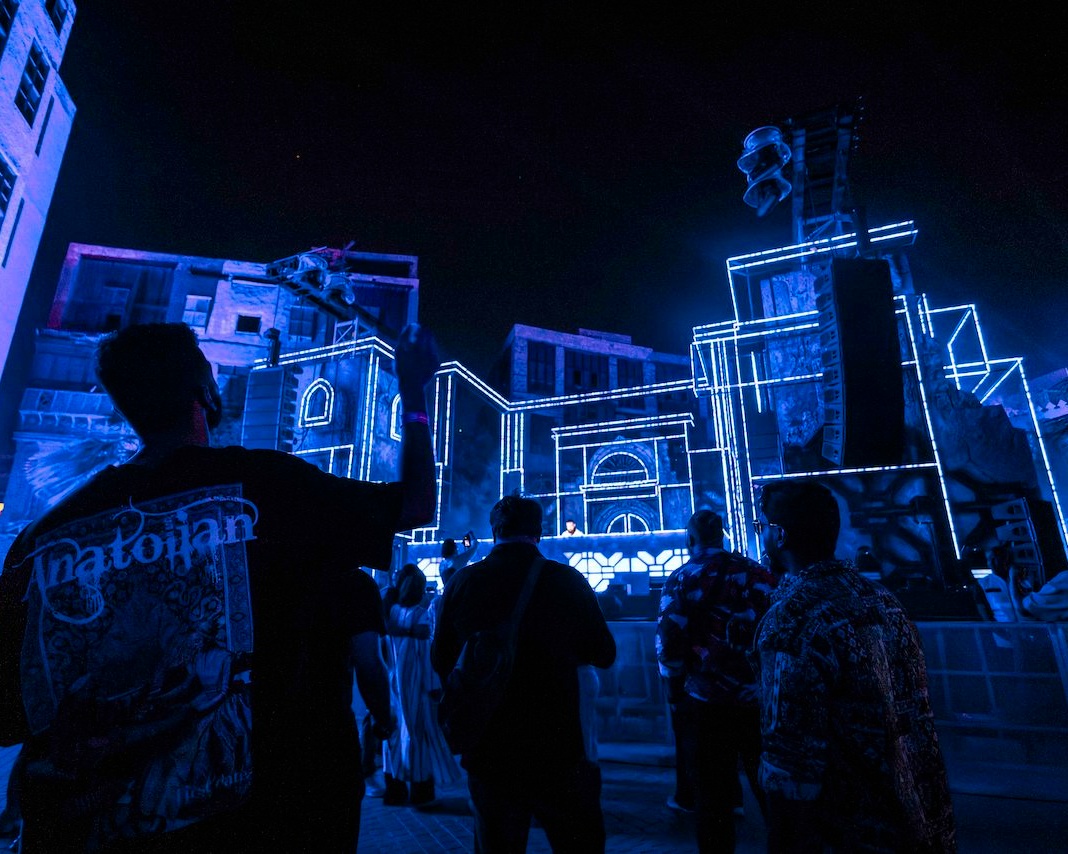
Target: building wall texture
{"x":31,"y":152}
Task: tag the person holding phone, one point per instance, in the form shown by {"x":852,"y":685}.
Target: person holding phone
{"x":453,"y":557}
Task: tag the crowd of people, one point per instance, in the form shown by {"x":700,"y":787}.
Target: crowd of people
{"x":180,"y":636}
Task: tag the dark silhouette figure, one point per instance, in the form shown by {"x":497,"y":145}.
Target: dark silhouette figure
{"x":851,"y":759}
{"x":530,"y":761}
{"x":187,"y":624}
{"x":416,"y":755}
{"x":709,"y":610}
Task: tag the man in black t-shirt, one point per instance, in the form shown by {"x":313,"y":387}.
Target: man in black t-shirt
{"x":531,"y":760}
{"x":176,"y":637}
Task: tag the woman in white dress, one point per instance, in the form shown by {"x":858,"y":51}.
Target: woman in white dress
{"x":416,"y":755}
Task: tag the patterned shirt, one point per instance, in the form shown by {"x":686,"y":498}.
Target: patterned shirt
{"x":846,"y":718}
{"x":709,"y":609}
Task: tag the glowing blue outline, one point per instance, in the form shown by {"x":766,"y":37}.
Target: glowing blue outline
{"x":307,"y":420}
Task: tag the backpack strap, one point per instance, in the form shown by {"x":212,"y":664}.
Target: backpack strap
{"x":524,"y":597}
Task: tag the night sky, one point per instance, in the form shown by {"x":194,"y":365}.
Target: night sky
{"x":562,"y":168}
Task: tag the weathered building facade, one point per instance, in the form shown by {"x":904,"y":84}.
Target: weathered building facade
{"x":36,"y":114}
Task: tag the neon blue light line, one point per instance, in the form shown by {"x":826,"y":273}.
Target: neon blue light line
{"x":825,"y":243}
{"x":994,"y":387}
{"x":756,"y":381}
{"x":764,"y":478}
{"x":931,"y":434}
{"x":808,"y":250}
{"x":1045,"y":456}
{"x":597,"y":396}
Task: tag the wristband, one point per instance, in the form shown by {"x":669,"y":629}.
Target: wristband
{"x":415,"y":418}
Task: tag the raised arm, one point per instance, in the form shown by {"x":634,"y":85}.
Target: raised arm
{"x":417,"y":360}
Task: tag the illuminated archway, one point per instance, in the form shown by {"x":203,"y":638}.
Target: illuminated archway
{"x":317,"y":404}
{"x":619,"y":468}
{"x":628,"y":523}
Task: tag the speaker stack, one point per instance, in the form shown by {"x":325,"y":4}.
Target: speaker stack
{"x":271,"y":408}
{"x":1030,"y":527}
{"x":863,"y":386}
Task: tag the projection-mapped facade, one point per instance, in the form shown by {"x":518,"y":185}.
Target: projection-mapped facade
{"x":626,"y":441}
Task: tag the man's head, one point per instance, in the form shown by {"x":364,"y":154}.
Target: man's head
{"x":705,"y":528}
{"x":448,"y":547}
{"x":800,"y":522}
{"x":515,"y":516}
{"x":157,"y":375}
{"x":569,"y":526}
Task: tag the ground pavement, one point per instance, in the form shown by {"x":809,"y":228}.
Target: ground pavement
{"x":637,"y":782}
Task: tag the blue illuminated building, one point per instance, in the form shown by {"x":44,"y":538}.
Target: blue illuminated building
{"x":625,"y":440}
{"x":833,"y":367}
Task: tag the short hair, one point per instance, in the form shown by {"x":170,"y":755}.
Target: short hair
{"x":807,"y":511}
{"x":706,"y":528}
{"x":516,"y":516}
{"x":152,"y":372}
{"x":411,"y":585}
{"x":448,"y":547}
{"x":572,"y":521}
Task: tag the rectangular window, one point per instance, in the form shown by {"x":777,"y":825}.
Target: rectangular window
{"x":247,"y":323}
{"x":113,"y":301}
{"x":302,"y":321}
{"x":31,"y":87}
{"x":584,"y":371}
{"x":197,"y":309}
{"x":14,"y":228}
{"x":152,"y":295}
{"x":629,"y":373}
{"x":7,"y":16}
{"x":44,"y":125}
{"x":7,"y":187}
{"x":57,"y":13}
{"x":541,"y":367}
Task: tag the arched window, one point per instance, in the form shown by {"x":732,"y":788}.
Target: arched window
{"x":620,"y":467}
{"x":317,"y":404}
{"x":628,"y":523}
{"x":395,"y":419}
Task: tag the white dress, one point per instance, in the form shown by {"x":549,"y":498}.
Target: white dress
{"x":417,"y":750}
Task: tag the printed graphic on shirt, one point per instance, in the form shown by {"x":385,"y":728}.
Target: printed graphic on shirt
{"x":137,"y":658}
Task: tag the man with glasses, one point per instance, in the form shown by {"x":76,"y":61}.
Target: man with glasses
{"x":851,"y":759}
{"x":709,"y":609}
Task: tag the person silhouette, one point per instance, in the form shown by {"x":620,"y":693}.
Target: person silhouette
{"x":205,"y":633}
{"x":850,"y":756}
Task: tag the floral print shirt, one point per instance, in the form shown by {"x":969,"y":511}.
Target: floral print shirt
{"x":709,"y":609}
{"x":845,"y":713}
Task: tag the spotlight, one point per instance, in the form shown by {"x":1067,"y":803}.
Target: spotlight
{"x":765,"y":155}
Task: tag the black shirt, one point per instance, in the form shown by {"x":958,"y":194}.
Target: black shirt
{"x":537,"y":727}
{"x":233,"y":570}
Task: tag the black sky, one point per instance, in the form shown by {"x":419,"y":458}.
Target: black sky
{"x":563,"y":168}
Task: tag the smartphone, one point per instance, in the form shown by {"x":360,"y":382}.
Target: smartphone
{"x":467,"y":541}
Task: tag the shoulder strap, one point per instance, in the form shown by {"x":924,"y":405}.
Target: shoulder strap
{"x":524,"y":596}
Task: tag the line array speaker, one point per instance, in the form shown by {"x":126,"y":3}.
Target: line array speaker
{"x":863,"y":386}
{"x":271,"y":408}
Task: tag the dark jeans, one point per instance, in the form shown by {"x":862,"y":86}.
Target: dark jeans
{"x":567,"y":805}
{"x":682,"y":727}
{"x":722,"y":735}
